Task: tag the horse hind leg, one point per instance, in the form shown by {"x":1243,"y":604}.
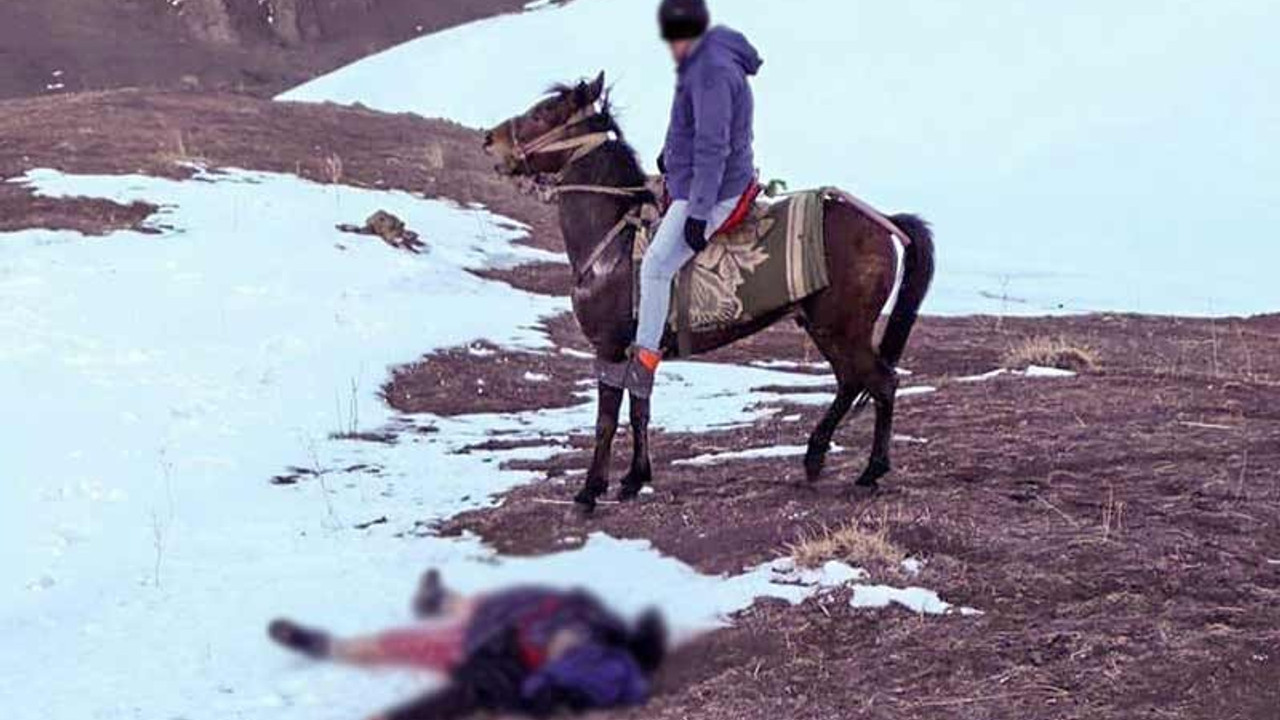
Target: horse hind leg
{"x":815,"y":456}
{"x":882,"y":385}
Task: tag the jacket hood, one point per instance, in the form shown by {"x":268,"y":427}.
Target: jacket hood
{"x":730,"y":45}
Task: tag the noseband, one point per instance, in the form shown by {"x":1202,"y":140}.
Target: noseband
{"x":556,"y":140}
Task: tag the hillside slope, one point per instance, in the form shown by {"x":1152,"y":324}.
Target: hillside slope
{"x":1049,"y":148}
{"x":53,"y":46}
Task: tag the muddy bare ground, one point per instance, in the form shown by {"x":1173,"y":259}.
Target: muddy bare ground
{"x":164,"y":133}
{"x":1120,"y":530}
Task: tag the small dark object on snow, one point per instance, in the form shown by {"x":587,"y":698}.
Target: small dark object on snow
{"x":391,"y":229}
{"x":366,"y":525}
{"x":312,"y":643}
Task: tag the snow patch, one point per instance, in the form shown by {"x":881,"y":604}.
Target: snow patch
{"x":911,"y":439}
{"x":915,"y":599}
{"x":833,"y":574}
{"x":791,"y":365}
{"x":227,"y":350}
{"x":773,"y":451}
{"x":984,"y":376}
{"x":1037,"y":371}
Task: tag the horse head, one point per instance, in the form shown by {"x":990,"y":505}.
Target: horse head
{"x":548,"y":136}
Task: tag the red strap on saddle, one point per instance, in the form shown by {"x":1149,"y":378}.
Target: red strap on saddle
{"x":741,"y":210}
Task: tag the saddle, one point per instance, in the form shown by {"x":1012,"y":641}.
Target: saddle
{"x":768,"y":254}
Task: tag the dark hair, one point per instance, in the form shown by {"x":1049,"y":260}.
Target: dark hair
{"x":683,"y":19}
{"x":648,"y":641}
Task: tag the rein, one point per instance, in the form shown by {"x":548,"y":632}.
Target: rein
{"x":634,"y":218}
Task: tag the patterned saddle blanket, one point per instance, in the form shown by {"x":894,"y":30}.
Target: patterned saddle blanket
{"x":774,"y":259}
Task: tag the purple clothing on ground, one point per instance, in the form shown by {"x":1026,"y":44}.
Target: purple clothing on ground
{"x":539,"y":613}
{"x":708,"y":153}
{"x":589,"y":676}
{"x":598,"y":671}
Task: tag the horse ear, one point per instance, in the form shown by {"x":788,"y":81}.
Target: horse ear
{"x":596,"y":88}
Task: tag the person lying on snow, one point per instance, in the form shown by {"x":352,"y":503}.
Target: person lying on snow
{"x":707,"y":160}
{"x":529,"y":650}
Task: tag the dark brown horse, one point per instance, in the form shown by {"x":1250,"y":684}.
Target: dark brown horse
{"x":571,"y":138}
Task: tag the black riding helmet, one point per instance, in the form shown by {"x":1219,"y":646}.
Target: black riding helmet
{"x":683,"y":19}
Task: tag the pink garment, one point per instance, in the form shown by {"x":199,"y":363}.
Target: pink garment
{"x":437,"y":648}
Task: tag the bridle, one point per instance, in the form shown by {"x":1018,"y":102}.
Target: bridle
{"x":558,"y":139}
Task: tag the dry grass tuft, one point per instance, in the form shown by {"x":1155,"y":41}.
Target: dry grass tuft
{"x":857,"y":544}
{"x":1058,"y":353}
{"x":178,"y":152}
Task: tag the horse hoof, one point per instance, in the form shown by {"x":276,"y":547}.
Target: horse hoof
{"x":588,"y":496}
{"x":633,"y":484}
{"x":813,"y":469}
{"x":814,"y":462}
{"x":876,"y":469}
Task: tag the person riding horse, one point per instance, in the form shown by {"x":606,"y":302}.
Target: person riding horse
{"x":570,"y":141}
{"x":707,"y":160}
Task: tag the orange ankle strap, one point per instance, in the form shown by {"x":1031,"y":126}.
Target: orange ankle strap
{"x":648,"y":358}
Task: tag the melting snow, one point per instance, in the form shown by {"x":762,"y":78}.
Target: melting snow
{"x":919,"y":600}
{"x":911,"y":439}
{"x":164,"y":379}
{"x":983,"y":377}
{"x":1036,"y":371}
{"x":773,"y":451}
{"x":831,"y":575}
{"x":791,"y":365}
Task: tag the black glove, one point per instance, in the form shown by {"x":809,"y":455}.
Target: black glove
{"x":695,"y":234}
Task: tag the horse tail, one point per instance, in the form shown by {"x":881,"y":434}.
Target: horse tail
{"x":917,"y":274}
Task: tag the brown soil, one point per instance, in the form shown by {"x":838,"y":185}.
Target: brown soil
{"x":162,"y":133}
{"x":1121,"y":531}
{"x":50,"y":47}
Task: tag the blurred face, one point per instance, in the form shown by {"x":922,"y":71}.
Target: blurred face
{"x":680,"y":49}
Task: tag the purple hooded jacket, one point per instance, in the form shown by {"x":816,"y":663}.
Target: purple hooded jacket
{"x":708,"y":155}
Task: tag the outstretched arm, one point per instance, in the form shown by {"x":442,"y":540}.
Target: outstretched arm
{"x":435,"y":645}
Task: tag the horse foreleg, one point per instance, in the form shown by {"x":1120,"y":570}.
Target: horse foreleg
{"x":641,"y":472}
{"x":608,"y":405}
{"x":883,"y":387}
